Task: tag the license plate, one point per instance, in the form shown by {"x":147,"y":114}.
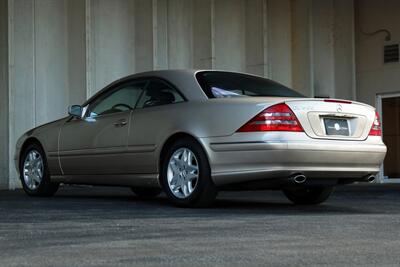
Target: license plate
{"x":336,"y":127}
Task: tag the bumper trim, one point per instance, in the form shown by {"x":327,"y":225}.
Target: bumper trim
{"x":222,"y":178}
{"x":307,"y":146}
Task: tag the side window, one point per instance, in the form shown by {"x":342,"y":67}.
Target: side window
{"x":121,"y":99}
{"x":159,"y":93}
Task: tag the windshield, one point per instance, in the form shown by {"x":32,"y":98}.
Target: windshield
{"x":220,"y":84}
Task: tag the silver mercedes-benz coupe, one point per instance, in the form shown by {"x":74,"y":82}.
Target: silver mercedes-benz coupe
{"x":192,"y":133}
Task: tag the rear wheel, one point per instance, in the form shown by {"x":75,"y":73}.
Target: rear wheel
{"x":186,"y":175}
{"x":308,"y":195}
{"x":146,"y":192}
{"x":34,"y":172}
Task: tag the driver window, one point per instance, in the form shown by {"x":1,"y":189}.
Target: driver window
{"x":121,"y":99}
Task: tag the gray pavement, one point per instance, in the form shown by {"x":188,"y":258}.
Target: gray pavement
{"x":358,"y":226}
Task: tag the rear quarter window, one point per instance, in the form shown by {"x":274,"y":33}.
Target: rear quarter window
{"x":159,"y":93}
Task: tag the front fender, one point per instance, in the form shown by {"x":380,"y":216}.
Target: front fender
{"x":47,"y":136}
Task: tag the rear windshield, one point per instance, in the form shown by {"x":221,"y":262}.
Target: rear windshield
{"x":218,"y":84}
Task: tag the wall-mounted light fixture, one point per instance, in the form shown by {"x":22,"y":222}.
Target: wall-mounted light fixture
{"x":388,"y":36}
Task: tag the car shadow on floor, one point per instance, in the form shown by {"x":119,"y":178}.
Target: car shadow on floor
{"x":122,"y":204}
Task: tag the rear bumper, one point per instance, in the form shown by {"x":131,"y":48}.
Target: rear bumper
{"x":241,"y":161}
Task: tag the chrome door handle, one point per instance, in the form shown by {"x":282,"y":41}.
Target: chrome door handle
{"x":121,"y":123}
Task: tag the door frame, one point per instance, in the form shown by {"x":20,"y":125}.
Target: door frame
{"x":379,"y":98}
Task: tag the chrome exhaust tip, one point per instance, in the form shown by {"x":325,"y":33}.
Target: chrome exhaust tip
{"x":371,"y":179}
{"x":299,"y":178}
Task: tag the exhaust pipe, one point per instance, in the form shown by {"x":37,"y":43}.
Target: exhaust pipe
{"x":299,"y":178}
{"x":371,"y":179}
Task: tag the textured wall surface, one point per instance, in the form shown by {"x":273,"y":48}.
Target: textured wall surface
{"x":3,"y":95}
{"x":373,"y":76}
{"x":62,"y":52}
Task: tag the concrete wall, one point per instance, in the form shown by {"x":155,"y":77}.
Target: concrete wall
{"x":63,"y":51}
{"x":279,"y":41}
{"x":344,"y":49}
{"x":3,"y":95}
{"x":112,"y":42}
{"x":39,"y":79}
{"x":76,"y":37}
{"x":373,"y":76}
{"x":323,"y":48}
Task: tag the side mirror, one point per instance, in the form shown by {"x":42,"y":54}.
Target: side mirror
{"x":75,"y":111}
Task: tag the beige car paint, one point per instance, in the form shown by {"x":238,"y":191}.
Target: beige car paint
{"x":99,"y":151}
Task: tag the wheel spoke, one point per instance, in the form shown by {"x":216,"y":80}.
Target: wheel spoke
{"x":30,"y":182}
{"x":192,"y":169}
{"x":36,"y":178}
{"x":39,"y":163}
{"x":191,"y":176}
{"x":36,"y":161}
{"x":31,"y":157}
{"x":40,"y":172}
{"x":174,"y":168}
{"x":176,"y":190}
{"x":189,"y":158}
{"x":190,"y":186}
{"x":174,"y":180}
{"x":179,"y":163}
{"x":185,"y":156}
{"x":184,"y":190}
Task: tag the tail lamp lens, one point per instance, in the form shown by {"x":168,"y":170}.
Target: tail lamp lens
{"x":275,"y":118}
{"x":376,"y":129}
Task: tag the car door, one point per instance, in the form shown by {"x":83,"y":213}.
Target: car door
{"x":96,"y":144}
{"x":151,"y":111}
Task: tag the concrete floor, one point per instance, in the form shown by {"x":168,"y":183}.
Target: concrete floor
{"x":358,"y":226}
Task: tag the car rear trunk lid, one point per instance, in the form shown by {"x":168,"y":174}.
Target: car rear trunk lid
{"x":333,"y":119}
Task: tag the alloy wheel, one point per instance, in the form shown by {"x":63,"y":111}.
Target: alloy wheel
{"x":33,"y":169}
{"x":182,"y":173}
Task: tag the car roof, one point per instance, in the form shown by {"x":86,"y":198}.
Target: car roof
{"x":183,"y":79}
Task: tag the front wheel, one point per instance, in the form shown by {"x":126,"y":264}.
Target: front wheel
{"x":308,"y":195}
{"x":34,"y":172}
{"x":186,"y":175}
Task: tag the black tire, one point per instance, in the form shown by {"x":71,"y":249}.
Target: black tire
{"x":45,"y":188}
{"x":204,"y":192}
{"x":146,"y":192}
{"x":308,"y":195}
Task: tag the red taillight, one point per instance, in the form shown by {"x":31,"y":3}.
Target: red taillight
{"x":376,"y":126}
{"x":275,"y":118}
